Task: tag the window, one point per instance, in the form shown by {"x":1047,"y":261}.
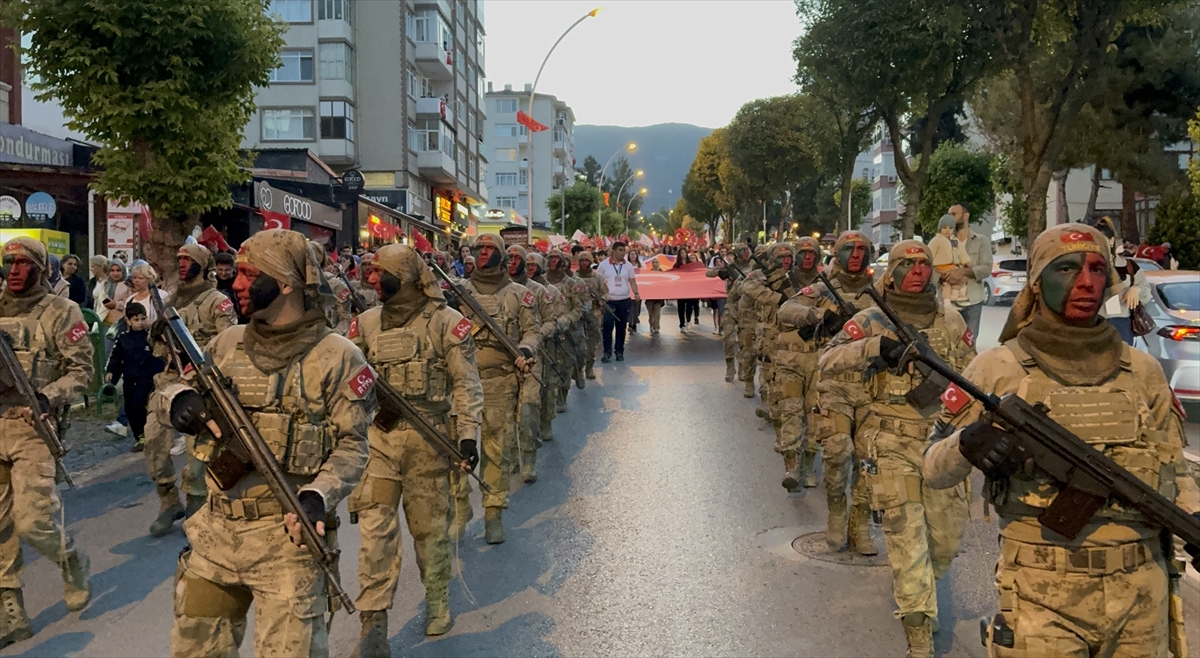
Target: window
{"x":473,"y":171}
{"x":413,"y":89}
{"x":428,"y":26}
{"x":337,"y":61}
{"x":471,"y":123}
{"x":333,"y":10}
{"x":337,"y":120}
{"x":506,"y":202}
{"x":297,"y":66}
{"x":506,"y":105}
{"x":412,"y":136}
{"x":293,"y":11}
{"x":505,"y":179}
{"x":433,"y":136}
{"x":523,"y":202}
{"x":288,"y":124}
{"x":524,"y":177}
{"x":559,"y":134}
{"x":506,"y":155}
{"x":506,"y":130}
{"x":461,"y":160}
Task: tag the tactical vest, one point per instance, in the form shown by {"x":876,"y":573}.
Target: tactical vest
{"x":294,"y":427}
{"x":1113,"y":418}
{"x":406,"y":358}
{"x":860,"y":303}
{"x":493,"y":305}
{"x":34,"y":349}
{"x":203,"y":329}
{"x":890,"y":388}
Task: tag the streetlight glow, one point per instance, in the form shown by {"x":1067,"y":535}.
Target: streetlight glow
{"x":640,"y":173}
{"x":643,"y":191}
{"x":595,"y":11}
{"x":631,"y":146}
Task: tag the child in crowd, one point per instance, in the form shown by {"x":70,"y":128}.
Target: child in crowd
{"x":132,"y":359}
{"x":949,"y":253}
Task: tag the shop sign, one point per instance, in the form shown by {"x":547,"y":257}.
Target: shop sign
{"x":496,"y":215}
{"x":296,"y":207}
{"x":444,"y":206}
{"x":21,"y":145}
{"x":353,"y":179}
{"x":10,"y":210}
{"x":40,"y":207}
{"x":394,"y":199}
{"x":418,"y":206}
{"x":122,"y":223}
{"x":57,"y":242}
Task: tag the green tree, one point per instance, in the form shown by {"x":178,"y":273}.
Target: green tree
{"x":773,"y":142}
{"x":1011,"y":204}
{"x":583,"y":200}
{"x":591,"y":169}
{"x":165,"y":88}
{"x":956,"y":175}
{"x":1177,"y":220}
{"x":612,"y":223}
{"x":1194,"y":163}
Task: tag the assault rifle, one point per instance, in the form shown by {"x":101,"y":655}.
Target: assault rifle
{"x":160,"y":312}
{"x":465,"y":298}
{"x":45,"y":429}
{"x":357,"y":304}
{"x":602,"y":302}
{"x":1089,"y":477}
{"x":245,"y":450}
{"x":845,"y":309}
{"x":392,"y":406}
{"x":766,"y":268}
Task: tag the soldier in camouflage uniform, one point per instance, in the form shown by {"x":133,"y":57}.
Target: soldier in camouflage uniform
{"x":1104,"y":593}
{"x":554,"y":311}
{"x":413,"y":333}
{"x":337,"y":306}
{"x":511,"y":305}
{"x":729,"y":325}
{"x":207,"y":312}
{"x":533,"y":395}
{"x":361,"y":286}
{"x":793,"y":361}
{"x":747,"y":322}
{"x":558,"y":274}
{"x":922,"y":526}
{"x":310,"y":393}
{"x":51,"y":343}
{"x":593,"y":317}
{"x":767,"y":291}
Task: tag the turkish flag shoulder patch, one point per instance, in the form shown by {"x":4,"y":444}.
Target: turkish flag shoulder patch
{"x":343,"y":294}
{"x":955,"y":398}
{"x":361,"y":383}
{"x":76,"y":332}
{"x":854,"y":331}
{"x":352,"y":332}
{"x":225,"y":306}
{"x":462,"y":329}
{"x":807,"y":291}
{"x":527,"y":299}
{"x":968,"y":337}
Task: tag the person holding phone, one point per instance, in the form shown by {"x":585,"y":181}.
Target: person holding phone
{"x":114,"y":294}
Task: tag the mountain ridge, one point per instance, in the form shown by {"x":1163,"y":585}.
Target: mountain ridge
{"x":665,"y":152}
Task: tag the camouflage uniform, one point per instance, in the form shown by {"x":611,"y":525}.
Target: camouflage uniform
{"x":207,"y":312}
{"x":1104,"y":593}
{"x":431,"y":361}
{"x":747,"y":329}
{"x":511,"y":306}
{"x":313,"y":411}
{"x":922,"y":526}
{"x":571,"y":358}
{"x":51,"y":343}
{"x":729,"y":324}
{"x":767,"y":291}
{"x":536,"y":399}
{"x":558,"y":351}
{"x":338,"y":313}
{"x":593,"y":316}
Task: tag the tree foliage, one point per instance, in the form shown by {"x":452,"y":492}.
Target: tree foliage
{"x":583,"y":201}
{"x":1177,"y":220}
{"x":1194,"y":163}
{"x":773,"y":142}
{"x":956,"y":175}
{"x":164,"y":87}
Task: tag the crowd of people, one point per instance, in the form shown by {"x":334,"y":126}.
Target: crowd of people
{"x":834,"y":375}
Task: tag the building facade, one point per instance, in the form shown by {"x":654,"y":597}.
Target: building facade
{"x":391,"y":88}
{"x":506,"y":145}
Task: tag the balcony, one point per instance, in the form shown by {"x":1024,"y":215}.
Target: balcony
{"x":435,"y":62}
{"x":434,"y":108}
{"x":442,"y":6}
{"x":437,"y":167}
{"x":560,"y":146}
{"x":337,"y":151}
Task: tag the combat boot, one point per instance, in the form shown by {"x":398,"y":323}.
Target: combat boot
{"x":437,"y":613}
{"x":835,"y":526}
{"x":529,"y":466}
{"x":918,"y":632}
{"x":493,"y":525}
{"x":762,"y":412}
{"x":749,"y":392}
{"x":860,"y":531}
{"x":372,"y":643}
{"x":579,"y":382}
{"x":170,"y":510}
{"x":589,"y":372}
{"x":808,"y":468}
{"x":14,"y":623}
{"x":195,"y":503}
{"x":77,"y":582}
{"x":463,"y":513}
{"x":730,"y":370}
{"x":791,"y":480}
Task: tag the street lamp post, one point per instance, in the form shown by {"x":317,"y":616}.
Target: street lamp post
{"x":528,"y":132}
{"x":637,"y":174}
{"x":628,"y":147}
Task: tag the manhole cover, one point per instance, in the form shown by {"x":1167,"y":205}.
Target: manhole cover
{"x":813,"y":545}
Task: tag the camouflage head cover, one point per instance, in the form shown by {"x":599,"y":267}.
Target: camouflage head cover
{"x":586,"y":255}
{"x":540,"y":261}
{"x":777,"y":251}
{"x":1052,"y":243}
{"x":284,"y":256}
{"x":807,"y":243}
{"x":404,"y":263}
{"x":564,"y":261}
{"x":848,"y":237}
{"x":903,"y":253}
{"x":489,"y":239}
{"x":738,"y":250}
{"x":32,"y":249}
{"x":199,"y":254}
{"x":520,"y":251}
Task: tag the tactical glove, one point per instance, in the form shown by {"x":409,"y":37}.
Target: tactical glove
{"x":189,"y":414}
{"x":43,"y":404}
{"x":988,"y":448}
{"x":832,"y":322}
{"x":313,"y":505}
{"x":891,"y":351}
{"x":470,"y":450}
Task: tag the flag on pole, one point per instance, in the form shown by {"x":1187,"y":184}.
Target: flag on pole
{"x":420,"y":243}
{"x":606,"y":199}
{"x":531,"y":123}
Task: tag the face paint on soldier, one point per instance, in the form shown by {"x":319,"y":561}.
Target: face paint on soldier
{"x":531,"y":269}
{"x":255,"y":290}
{"x":912,"y":275}
{"x":1072,"y":286}
{"x":785,"y":261}
{"x":555,"y":262}
{"x":853,"y":257}
{"x":188,"y":269}
{"x":488,"y":256}
{"x":808,"y":262}
{"x":515,"y":263}
{"x":19,"y":273}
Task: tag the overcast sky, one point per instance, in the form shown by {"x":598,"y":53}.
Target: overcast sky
{"x":642,"y":62}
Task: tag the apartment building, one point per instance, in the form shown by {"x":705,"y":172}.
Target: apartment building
{"x":392,"y":88}
{"x":506,"y":145}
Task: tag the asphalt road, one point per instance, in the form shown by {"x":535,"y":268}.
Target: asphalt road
{"x":658,"y":528}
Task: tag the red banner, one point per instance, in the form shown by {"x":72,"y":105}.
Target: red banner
{"x":687,"y":282}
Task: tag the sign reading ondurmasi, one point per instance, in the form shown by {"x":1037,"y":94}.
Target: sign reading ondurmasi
{"x":21,"y":145}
